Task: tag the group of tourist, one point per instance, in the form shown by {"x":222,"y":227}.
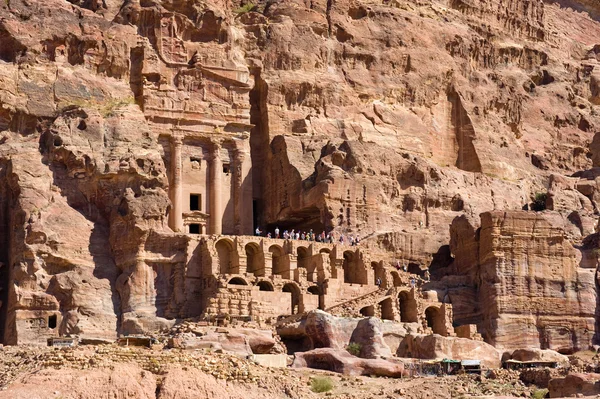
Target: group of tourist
{"x":310,"y":236}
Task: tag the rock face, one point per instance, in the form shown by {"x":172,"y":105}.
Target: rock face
{"x":526,"y":280}
{"x":129,"y":128}
{"x":438,"y":347}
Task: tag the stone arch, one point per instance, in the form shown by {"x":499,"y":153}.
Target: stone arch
{"x":295,"y":291}
{"x":255,"y":259}
{"x":368,"y":311}
{"x":265,"y":285}
{"x":303,"y":256}
{"x":277,"y":253}
{"x":387,"y":309}
{"x":316,"y":290}
{"x":378,"y":272}
{"x":396,"y":279}
{"x":311,"y":271}
{"x":237,"y":281}
{"x":408,"y":308}
{"x":224,"y":249}
{"x":351,"y":266}
{"x":435,"y":320}
{"x":325,"y":251}
{"x":415,"y":268}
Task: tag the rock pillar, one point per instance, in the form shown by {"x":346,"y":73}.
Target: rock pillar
{"x":242,"y":190}
{"x":216,"y":206}
{"x":176,"y":216}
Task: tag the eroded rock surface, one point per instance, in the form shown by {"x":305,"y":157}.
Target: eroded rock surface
{"x":342,"y":362}
{"x":128,"y":128}
{"x":438,"y":347}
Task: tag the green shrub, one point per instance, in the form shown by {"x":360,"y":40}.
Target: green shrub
{"x":321,"y":384}
{"x":354,"y":348}
{"x":539,"y":202}
{"x":245,"y":8}
{"x":539,"y":394}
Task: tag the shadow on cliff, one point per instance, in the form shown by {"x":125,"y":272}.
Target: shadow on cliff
{"x":73,"y":189}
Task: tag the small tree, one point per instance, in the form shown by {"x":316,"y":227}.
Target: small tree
{"x":354,"y":348}
{"x":321,"y":384}
{"x":247,"y":7}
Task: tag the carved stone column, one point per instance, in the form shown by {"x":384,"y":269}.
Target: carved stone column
{"x":215,"y":188}
{"x":242,"y":189}
{"x":236,"y":182}
{"x":176,"y":216}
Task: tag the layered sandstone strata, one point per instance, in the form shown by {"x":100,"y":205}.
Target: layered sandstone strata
{"x":130,"y":127}
{"x":520,"y":279}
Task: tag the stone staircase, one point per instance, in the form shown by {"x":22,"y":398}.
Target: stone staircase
{"x":352,"y":306}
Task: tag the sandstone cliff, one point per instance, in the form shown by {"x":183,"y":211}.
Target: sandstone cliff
{"x":389,"y":119}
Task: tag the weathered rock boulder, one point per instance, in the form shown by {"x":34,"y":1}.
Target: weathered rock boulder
{"x":574,"y":384}
{"x":342,"y":362}
{"x":318,"y":330}
{"x":327,"y":331}
{"x":241,"y":341}
{"x":227,"y":342}
{"x":368,"y":334}
{"x":260,"y":341}
{"x":438,"y":347}
{"x":539,"y":355}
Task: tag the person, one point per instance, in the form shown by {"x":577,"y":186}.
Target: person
{"x":427,"y":275}
{"x":397,"y":265}
{"x":293,"y":234}
{"x":405,"y":267}
{"x":276,"y":232}
{"x":357,"y":241}
{"x":413,"y":282}
{"x":258,"y":232}
{"x":303,"y":236}
{"x":268,"y":235}
{"x":378,"y":281}
{"x":297,"y":235}
{"x":351,"y":240}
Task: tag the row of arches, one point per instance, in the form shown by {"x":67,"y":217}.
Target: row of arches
{"x":255,"y":258}
{"x":434,"y":316}
{"x":355,"y":271}
{"x":292,"y":288}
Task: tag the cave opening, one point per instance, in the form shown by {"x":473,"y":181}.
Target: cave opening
{"x":301,"y":221}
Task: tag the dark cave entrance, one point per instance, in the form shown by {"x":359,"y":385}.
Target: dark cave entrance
{"x":302,"y":221}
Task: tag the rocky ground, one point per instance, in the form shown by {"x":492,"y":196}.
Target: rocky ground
{"x":111,"y":371}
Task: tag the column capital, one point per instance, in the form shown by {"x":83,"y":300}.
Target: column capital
{"x":215,"y":150}
{"x":176,"y":139}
